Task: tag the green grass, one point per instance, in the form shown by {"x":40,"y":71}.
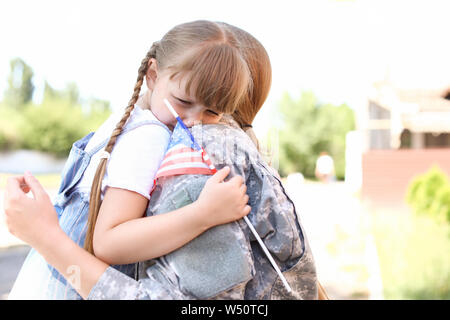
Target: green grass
{"x":414,"y":255}
{"x":48,"y":181}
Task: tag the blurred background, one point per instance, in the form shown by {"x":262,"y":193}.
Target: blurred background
{"x":357,"y":121}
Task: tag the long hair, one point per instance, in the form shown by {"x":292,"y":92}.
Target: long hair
{"x":260,"y":68}
{"x":217,"y":75}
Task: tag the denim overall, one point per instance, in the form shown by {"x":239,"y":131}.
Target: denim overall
{"x":40,"y":280}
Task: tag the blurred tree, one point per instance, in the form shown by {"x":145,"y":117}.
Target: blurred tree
{"x":50,"y":92}
{"x":54,"y":124}
{"x":70,"y":93}
{"x":96,"y":113}
{"x":11,"y":120}
{"x":20,"y":85}
{"x":99,"y":105}
{"x":309,"y":128}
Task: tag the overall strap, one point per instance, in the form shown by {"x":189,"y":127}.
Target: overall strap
{"x":127,"y":129}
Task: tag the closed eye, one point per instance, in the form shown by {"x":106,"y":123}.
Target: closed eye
{"x":183,"y":101}
{"x":190,"y":103}
{"x":213,"y":112}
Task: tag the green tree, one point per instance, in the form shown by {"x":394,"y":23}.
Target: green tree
{"x":50,"y":92}
{"x":56,"y":124}
{"x":53,"y":125}
{"x":11,"y":120}
{"x":70,"y":93}
{"x":20,"y":85}
{"x":309,"y":127}
{"x":99,"y":105}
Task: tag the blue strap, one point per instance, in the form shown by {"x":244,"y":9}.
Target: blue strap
{"x":127,"y":129}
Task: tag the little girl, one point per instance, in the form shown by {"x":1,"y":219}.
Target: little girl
{"x":198,"y":67}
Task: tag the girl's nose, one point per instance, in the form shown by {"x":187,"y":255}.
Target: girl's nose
{"x":193,"y":117}
{"x":191,"y":121}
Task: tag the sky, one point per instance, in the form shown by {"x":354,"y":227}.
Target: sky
{"x":334,"y":48}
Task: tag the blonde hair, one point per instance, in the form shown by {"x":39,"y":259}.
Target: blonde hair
{"x":205,"y":52}
{"x":260,"y":68}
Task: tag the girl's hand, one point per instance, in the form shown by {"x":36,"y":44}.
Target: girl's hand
{"x":32,"y":220}
{"x":222,"y":202}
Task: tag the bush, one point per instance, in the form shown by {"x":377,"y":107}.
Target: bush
{"x":440,"y":208}
{"x":10,"y":122}
{"x":430,"y":194}
{"x":3,"y":141}
{"x":413,"y":255}
{"x":55,"y":125}
{"x":52,"y":126}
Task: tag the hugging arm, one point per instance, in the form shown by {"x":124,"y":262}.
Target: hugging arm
{"x":123,"y":236}
{"x":34,"y":220}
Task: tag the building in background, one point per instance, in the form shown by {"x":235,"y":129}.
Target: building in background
{"x":401,"y":133}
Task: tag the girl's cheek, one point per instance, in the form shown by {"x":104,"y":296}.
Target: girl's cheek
{"x":178,"y":109}
{"x":212,"y":119}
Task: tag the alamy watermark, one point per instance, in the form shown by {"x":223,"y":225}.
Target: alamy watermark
{"x":73,"y":273}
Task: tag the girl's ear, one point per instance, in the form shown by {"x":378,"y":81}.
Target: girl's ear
{"x":152,"y":73}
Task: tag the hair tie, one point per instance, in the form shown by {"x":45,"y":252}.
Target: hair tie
{"x":104,"y":155}
{"x":247,"y":126}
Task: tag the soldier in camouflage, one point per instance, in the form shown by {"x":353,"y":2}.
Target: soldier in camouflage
{"x":225,"y":262}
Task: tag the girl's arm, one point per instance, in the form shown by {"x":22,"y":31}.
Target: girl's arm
{"x":123,"y":236}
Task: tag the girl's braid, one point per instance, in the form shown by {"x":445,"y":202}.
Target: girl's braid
{"x":96,"y":189}
{"x":137,"y":88}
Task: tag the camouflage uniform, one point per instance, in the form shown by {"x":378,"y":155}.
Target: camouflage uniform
{"x":225,"y":262}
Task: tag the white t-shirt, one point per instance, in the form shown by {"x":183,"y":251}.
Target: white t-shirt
{"x":135,"y":158}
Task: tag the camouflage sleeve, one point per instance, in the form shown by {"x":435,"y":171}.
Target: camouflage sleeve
{"x":275,"y":218}
{"x":273,"y":215}
{"x":114,"y":285}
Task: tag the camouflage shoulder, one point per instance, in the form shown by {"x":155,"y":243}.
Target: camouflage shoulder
{"x":114,"y":285}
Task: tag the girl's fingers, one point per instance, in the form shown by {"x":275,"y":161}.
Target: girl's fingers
{"x":237,"y":180}
{"x":243,"y":188}
{"x":220,"y":175}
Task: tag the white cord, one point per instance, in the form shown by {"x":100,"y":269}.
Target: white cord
{"x":283,"y":279}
